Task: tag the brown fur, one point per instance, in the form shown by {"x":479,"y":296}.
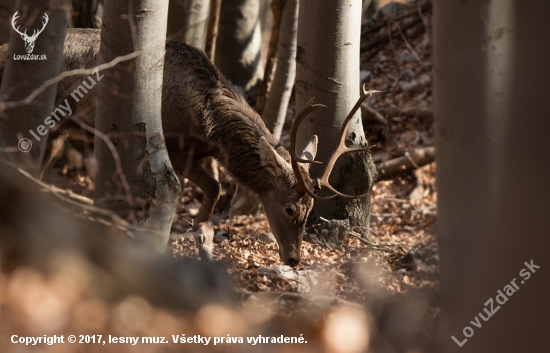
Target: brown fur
{"x":202,"y":109}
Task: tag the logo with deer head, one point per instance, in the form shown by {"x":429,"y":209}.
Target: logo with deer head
{"x":29,"y":40}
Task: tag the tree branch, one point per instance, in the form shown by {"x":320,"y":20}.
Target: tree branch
{"x":419,"y":156}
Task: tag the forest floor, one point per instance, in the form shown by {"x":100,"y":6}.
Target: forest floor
{"x":399,"y":256}
{"x":403,"y":210}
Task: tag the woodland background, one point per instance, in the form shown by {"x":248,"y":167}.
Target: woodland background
{"x":428,"y":263}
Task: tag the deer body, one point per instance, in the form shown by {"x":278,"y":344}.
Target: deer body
{"x":204,"y":115}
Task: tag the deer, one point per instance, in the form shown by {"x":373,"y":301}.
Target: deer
{"x":29,"y":41}
{"x":203,"y":114}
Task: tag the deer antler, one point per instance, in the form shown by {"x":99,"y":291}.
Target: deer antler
{"x":340,"y":149}
{"x":44,"y":23}
{"x":15,"y":17}
{"x":35,"y":32}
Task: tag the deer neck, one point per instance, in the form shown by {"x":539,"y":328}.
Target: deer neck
{"x":237,"y":135}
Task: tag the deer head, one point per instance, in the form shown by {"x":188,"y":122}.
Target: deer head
{"x":290,"y":200}
{"x":29,"y":41}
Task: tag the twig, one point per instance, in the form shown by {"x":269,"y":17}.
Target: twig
{"x":60,"y":77}
{"x":382,"y":40}
{"x":422,"y":113}
{"x":391,"y":199}
{"x":83,"y":205}
{"x":367,"y":113}
{"x":269,"y":73}
{"x":116,"y":157}
{"x":212,"y":32}
{"x":407,"y":44}
{"x":390,"y":39}
{"x":413,"y":162}
{"x":71,"y":195}
{"x":420,"y":156}
{"x":417,"y":11}
{"x":424,"y":20}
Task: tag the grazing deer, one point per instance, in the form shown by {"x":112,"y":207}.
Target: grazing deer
{"x":204,"y":115}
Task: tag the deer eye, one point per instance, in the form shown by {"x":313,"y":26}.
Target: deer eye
{"x":290,"y":210}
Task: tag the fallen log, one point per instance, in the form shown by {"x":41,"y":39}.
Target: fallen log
{"x":413,"y":159}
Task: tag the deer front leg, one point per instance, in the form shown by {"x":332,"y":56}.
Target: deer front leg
{"x":212,"y":191}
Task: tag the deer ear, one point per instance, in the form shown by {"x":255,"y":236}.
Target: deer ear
{"x":271,"y":159}
{"x":310,"y":151}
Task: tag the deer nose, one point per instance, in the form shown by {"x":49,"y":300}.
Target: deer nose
{"x":293,"y":262}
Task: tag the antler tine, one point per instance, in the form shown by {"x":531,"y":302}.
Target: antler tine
{"x":293,"y":156}
{"x":293,"y":135}
{"x":341,"y":148}
{"x":47,"y":19}
{"x":14,"y":18}
{"x":44,"y":23}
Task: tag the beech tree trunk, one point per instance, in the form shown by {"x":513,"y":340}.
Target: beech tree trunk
{"x":491,"y":107}
{"x":187,"y":20}
{"x":22,"y":77}
{"x":327,"y":67}
{"x":86,"y":13}
{"x":6,"y":11}
{"x":238,"y":47}
{"x":274,"y":112}
{"x":129,"y":111}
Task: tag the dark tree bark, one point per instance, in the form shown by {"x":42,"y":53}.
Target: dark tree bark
{"x":6,"y":11}
{"x":239,"y":42}
{"x":86,"y":13}
{"x":187,"y":20}
{"x":22,"y":77}
{"x":271,"y":60}
{"x":276,"y":106}
{"x":213,"y":29}
{"x":327,"y":67}
{"x":129,"y":111}
{"x":492,"y":108}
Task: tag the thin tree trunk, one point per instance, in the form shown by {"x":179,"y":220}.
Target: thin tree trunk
{"x":244,"y":201}
{"x":129,"y":111}
{"x":209,"y":163}
{"x":213,"y":29}
{"x":491,"y":92}
{"x":88,"y":13}
{"x":327,"y":67}
{"x":6,"y":11}
{"x":271,"y":63}
{"x":22,"y":77}
{"x":276,"y":106}
{"x":187,"y":20}
{"x":239,"y":42}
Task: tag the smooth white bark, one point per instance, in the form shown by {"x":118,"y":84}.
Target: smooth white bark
{"x":327,"y":67}
{"x":238,"y":47}
{"x":275,"y":110}
{"x":129,"y":109}
{"x":187,"y":20}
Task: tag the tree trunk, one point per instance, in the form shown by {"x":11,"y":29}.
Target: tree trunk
{"x":6,"y":10}
{"x":22,"y":77}
{"x":239,"y":42}
{"x":271,"y":59}
{"x":87,"y":13}
{"x":238,"y":57}
{"x":491,"y":92}
{"x":145,"y":188}
{"x":275,"y":110}
{"x":187,"y":20}
{"x":327,"y":67}
{"x":213,"y":29}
